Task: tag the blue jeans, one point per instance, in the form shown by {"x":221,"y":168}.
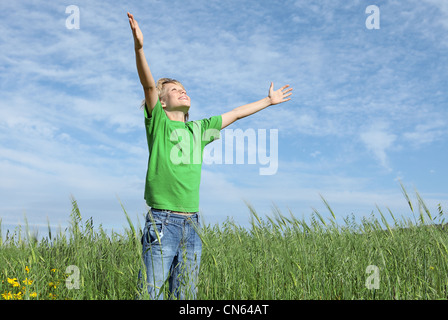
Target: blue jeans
{"x":171,"y":252}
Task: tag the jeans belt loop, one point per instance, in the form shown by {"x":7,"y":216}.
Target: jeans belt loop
{"x":167,"y":216}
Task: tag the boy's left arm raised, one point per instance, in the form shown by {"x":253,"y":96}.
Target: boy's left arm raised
{"x":275,"y":97}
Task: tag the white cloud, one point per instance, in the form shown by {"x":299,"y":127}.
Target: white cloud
{"x":378,"y":140}
{"x":427,"y":133}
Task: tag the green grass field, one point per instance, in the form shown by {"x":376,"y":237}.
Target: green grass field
{"x":278,"y":257}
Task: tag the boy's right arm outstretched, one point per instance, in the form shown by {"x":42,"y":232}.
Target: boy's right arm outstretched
{"x":144,"y":73}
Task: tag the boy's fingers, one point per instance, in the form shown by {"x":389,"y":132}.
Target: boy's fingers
{"x":131,"y":20}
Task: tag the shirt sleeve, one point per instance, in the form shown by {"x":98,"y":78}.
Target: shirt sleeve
{"x":156,"y":121}
{"x":155,"y":110}
{"x":211,"y":129}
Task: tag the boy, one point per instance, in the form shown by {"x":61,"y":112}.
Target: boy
{"x":171,"y":244}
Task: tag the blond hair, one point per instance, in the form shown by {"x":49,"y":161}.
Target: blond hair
{"x":160,"y":86}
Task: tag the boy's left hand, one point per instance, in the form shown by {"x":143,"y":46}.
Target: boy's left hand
{"x":281,"y":95}
{"x":136,"y":32}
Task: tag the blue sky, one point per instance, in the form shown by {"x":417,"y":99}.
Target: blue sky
{"x":369,"y":106}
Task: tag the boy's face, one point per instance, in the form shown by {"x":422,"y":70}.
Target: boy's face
{"x":174,"y":97}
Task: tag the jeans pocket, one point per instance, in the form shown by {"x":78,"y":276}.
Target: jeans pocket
{"x":154,"y":232}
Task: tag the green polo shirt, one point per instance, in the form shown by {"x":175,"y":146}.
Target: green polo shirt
{"x":175,"y":159}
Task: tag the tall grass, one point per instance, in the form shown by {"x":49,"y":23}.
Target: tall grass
{"x":107,"y":262}
{"x":277,"y":257}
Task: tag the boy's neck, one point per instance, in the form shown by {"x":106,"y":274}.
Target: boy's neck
{"x":175,"y":115}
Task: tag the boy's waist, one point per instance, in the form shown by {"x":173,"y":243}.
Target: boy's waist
{"x":175,"y":212}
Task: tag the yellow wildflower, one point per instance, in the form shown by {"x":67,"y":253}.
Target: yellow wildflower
{"x":27,"y":269}
{"x":7,"y":295}
{"x":33,"y":295}
{"x":14,"y":282}
{"x":54,"y":270}
{"x":18,"y":296}
{"x":27,"y":281}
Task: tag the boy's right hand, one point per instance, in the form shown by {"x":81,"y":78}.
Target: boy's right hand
{"x":136,"y":32}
